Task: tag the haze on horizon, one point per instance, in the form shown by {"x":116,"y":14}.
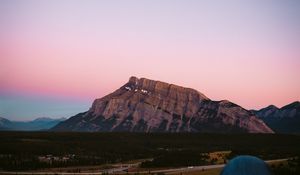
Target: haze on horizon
{"x":57,"y":56}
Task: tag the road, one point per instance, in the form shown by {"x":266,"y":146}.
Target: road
{"x":122,"y":170}
{"x":197,"y":168}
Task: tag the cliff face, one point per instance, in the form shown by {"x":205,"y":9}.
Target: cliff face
{"x":143,"y":105}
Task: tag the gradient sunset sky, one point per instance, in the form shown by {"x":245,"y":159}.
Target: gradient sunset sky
{"x":57,"y":56}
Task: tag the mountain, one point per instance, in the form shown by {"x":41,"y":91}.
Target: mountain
{"x":34,"y":125}
{"x":143,"y":105}
{"x":4,"y":124}
{"x":281,"y":120}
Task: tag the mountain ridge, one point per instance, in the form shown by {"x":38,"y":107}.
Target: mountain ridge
{"x":43,"y":123}
{"x":282,"y":120}
{"x":144,"y":105}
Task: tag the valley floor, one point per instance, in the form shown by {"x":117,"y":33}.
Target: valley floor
{"x":125,"y":169}
{"x":167,"y":153}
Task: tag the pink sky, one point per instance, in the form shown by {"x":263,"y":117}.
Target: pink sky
{"x":248,"y":53}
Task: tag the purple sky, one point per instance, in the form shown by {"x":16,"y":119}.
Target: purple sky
{"x":58,"y":55}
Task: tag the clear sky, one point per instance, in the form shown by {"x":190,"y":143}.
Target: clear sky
{"x":56,"y":56}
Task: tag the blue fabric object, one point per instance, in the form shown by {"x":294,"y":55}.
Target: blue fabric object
{"x":246,"y":165}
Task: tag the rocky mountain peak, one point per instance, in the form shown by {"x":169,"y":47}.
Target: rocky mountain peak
{"x":294,"y":105}
{"x":163,"y":89}
{"x":272,"y":107}
{"x":133,"y":80}
{"x":145,"y":105}
{"x":282,"y":120}
{"x":3,"y":121}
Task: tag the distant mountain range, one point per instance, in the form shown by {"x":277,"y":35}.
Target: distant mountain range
{"x":281,"y":120}
{"x":34,"y":125}
{"x":144,"y":105}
